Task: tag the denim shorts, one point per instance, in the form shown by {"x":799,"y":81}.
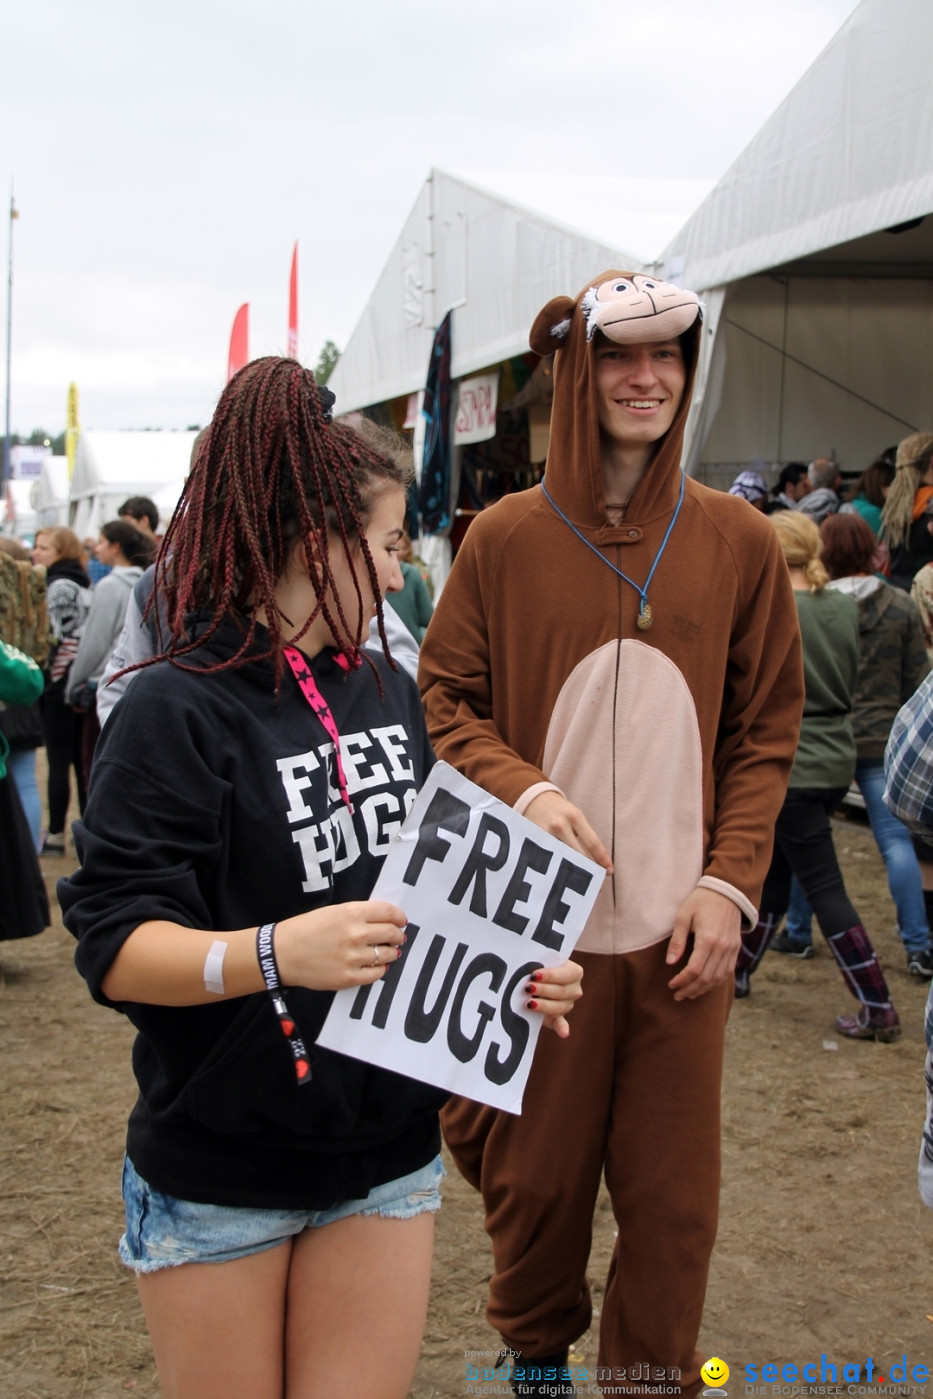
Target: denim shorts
{"x":162,"y":1231}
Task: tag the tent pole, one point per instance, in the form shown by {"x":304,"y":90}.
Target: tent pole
{"x":9,"y":340}
{"x":430,"y":287}
{"x":780,"y":436}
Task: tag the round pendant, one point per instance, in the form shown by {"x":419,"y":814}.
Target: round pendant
{"x":645,"y":618}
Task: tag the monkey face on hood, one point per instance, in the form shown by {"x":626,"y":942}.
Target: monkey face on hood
{"x":638,"y":309}
{"x":626,"y":308}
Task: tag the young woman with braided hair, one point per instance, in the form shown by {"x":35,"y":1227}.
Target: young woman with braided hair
{"x":279,"y":1197}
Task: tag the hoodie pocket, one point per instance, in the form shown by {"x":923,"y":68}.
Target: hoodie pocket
{"x":247,"y":1084}
{"x":248,"y":1079}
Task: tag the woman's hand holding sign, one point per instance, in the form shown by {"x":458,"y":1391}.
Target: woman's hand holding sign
{"x":340,"y":945}
{"x":553,"y":991}
{"x":352,"y":944}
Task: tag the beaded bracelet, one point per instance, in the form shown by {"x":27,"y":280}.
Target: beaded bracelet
{"x":265,"y":951}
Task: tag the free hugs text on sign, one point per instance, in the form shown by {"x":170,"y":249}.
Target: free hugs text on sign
{"x":489,"y":898}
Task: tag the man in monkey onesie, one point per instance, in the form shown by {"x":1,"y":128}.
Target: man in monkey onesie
{"x":616,"y":655}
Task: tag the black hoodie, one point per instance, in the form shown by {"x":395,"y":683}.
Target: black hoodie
{"x":215,"y":805}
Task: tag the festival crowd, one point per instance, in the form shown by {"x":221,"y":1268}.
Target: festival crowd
{"x":682,"y":684}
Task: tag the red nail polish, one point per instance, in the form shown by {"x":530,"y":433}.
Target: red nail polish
{"x":536,"y":976}
{"x":398,"y":952}
{"x":532,"y":1005}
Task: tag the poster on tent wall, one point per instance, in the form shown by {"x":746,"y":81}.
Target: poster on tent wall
{"x":26,"y":462}
{"x":489,"y":898}
{"x":477,"y":400}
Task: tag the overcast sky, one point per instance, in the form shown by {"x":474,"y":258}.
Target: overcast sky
{"x":166,"y":157}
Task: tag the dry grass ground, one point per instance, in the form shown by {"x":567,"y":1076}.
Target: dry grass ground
{"x":824,"y":1245}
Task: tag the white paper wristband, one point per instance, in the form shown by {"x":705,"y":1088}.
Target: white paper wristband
{"x":214,"y":968}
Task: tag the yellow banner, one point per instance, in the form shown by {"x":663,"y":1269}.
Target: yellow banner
{"x":71,"y":428}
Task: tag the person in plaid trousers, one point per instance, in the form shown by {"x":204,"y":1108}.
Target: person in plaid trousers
{"x":908,"y":791}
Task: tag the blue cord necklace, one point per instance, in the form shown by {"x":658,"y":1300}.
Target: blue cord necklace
{"x":644,"y":619}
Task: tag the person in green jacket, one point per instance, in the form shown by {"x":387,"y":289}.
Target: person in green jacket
{"x":823,"y":768}
{"x":21,"y":682}
{"x":871,"y":490}
{"x":413,"y":604}
{"x":24,"y":907}
{"x":893,"y":662}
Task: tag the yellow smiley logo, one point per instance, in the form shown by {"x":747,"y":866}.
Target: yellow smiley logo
{"x":715,"y":1372}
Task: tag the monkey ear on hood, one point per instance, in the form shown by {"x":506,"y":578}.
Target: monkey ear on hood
{"x":551,"y":325}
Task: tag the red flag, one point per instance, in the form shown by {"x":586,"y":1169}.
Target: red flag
{"x":239,"y":342}
{"x":293,"y":307}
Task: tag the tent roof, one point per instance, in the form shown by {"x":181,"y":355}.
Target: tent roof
{"x":19,"y":506}
{"x":847,"y":155}
{"x":634,"y":211}
{"x":494,"y":261}
{"x":52,"y":486}
{"x":135,"y":463}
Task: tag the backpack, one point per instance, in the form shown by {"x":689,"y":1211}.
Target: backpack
{"x":23,"y":616}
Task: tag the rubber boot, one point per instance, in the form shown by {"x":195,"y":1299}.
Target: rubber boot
{"x":876,"y":1018}
{"x":754,"y":945}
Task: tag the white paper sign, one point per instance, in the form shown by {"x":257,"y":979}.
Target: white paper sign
{"x":489,"y":897}
{"x":477,"y":400}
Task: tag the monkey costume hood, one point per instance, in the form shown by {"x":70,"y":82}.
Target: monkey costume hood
{"x":675,"y":741}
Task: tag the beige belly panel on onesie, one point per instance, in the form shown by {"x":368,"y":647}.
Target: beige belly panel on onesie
{"x":623,"y":737}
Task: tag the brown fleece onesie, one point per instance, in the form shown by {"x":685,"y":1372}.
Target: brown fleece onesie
{"x":676,"y":743}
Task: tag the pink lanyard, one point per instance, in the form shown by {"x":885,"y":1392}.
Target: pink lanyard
{"x":308,"y":685}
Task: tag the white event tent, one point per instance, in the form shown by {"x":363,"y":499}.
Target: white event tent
{"x":110,"y":466}
{"x":494,"y":262}
{"x":17,"y":514}
{"x":814,"y":255}
{"x":50,"y":492}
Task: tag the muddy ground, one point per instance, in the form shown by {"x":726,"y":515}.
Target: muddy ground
{"x":824,"y":1246}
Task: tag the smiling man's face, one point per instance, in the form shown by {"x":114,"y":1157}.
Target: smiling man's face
{"x":639,"y":388}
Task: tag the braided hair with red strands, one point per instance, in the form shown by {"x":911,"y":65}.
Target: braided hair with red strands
{"x":272,"y":469}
